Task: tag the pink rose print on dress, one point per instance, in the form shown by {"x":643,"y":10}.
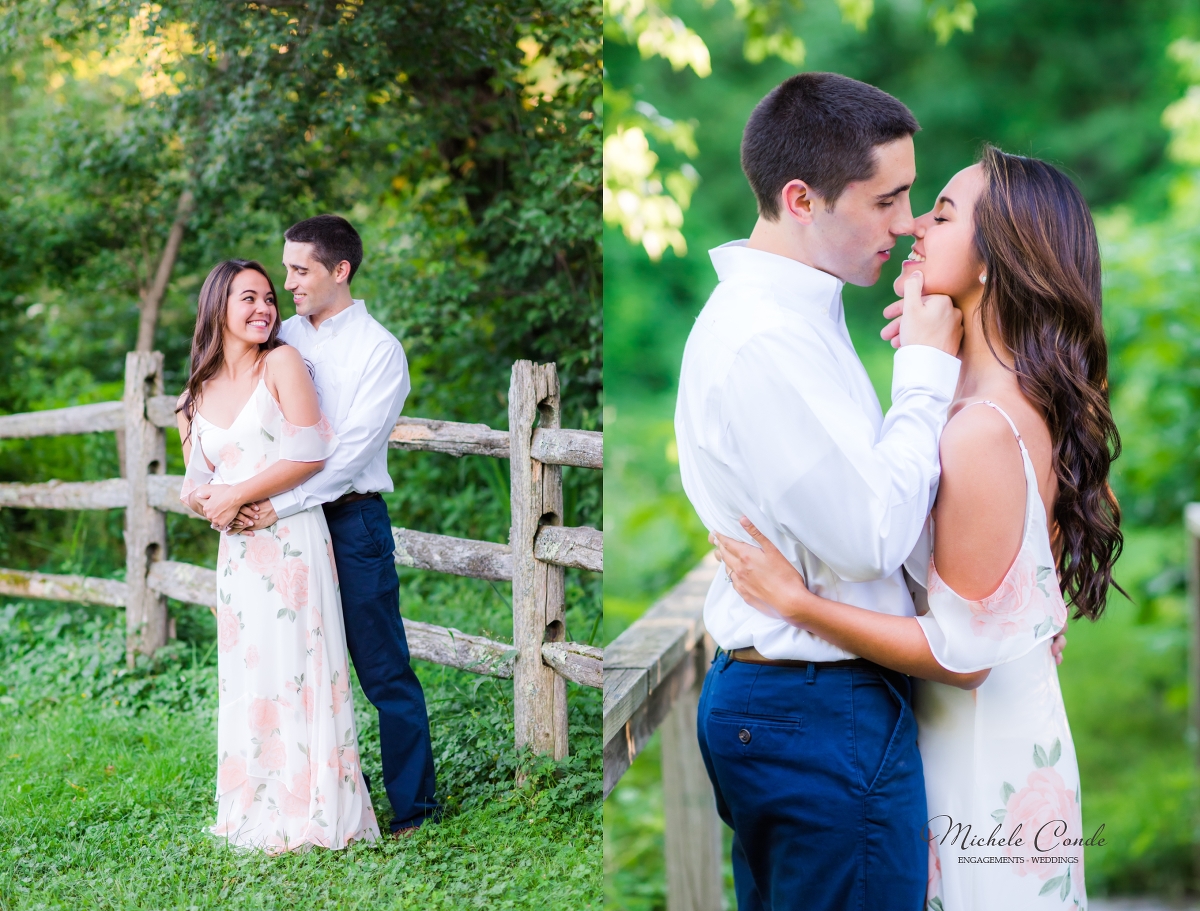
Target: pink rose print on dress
{"x":188,"y":488}
{"x":231,"y":774}
{"x":344,"y":760}
{"x":230,"y":454}
{"x":284,"y":531}
{"x":296,"y":798}
{"x":263,"y":716}
{"x":290,"y":429}
{"x":332,"y":561}
{"x":263,"y":553}
{"x":291,"y":581}
{"x":229,"y":627}
{"x":1037,"y":807}
{"x":309,"y":701}
{"x":252,"y":657}
{"x":324,"y":429}
{"x":272,"y":754}
{"x":223,"y":550}
{"x":1008,"y":610}
{"x":341,"y":691}
{"x":933,"y":887}
{"x":260,"y":464}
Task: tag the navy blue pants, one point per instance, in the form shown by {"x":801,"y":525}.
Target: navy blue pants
{"x":363,"y":548}
{"x":817,"y":773}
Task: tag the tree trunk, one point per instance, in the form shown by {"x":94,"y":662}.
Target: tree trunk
{"x":152,"y":296}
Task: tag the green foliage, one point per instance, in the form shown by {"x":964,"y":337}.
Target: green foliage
{"x":106,"y":780}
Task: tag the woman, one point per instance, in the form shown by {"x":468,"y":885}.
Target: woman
{"x":1023,"y":495}
{"x":287,"y":774}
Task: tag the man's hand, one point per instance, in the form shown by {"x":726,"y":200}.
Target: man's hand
{"x":918,"y":319}
{"x":254,"y":517}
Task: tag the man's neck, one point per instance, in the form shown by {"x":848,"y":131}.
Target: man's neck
{"x":343,"y":304}
{"x":771,"y":237}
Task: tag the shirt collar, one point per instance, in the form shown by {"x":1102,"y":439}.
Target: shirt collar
{"x":337,"y":323}
{"x":805,"y":289}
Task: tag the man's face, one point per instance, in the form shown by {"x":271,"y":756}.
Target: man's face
{"x":856,"y":237}
{"x":313,"y":287}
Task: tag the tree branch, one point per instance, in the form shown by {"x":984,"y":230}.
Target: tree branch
{"x":152,"y":296}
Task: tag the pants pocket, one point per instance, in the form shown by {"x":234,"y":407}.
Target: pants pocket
{"x":882,"y":720}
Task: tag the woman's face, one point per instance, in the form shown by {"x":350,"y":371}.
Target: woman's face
{"x":251,"y":312}
{"x":944,"y":241}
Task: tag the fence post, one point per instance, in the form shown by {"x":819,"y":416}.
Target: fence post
{"x":539,"y":694}
{"x":145,"y":527}
{"x":693,"y":829}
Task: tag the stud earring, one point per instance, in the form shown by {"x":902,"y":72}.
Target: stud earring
{"x":983,"y":279}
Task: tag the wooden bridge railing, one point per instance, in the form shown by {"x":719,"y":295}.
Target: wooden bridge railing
{"x":652,"y":677}
{"x":540,"y":659}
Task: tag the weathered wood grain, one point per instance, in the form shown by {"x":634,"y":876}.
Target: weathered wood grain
{"x":693,"y":828}
{"x":160,"y":410}
{"x":163,"y":491}
{"x":110,"y":494}
{"x":579,"y":663}
{"x":450,"y":437}
{"x":97,"y":418}
{"x":639,"y":663}
{"x":456,"y":556}
{"x":539,"y":694}
{"x":631,"y":738}
{"x":455,"y":648}
{"x":86,"y":589}
{"x":184,"y":582}
{"x":582,"y":548}
{"x":145,"y":526}
{"x":581,"y":448}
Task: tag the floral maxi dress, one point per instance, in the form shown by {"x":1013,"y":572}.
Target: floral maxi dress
{"x":999,"y":759}
{"x":288,"y":773}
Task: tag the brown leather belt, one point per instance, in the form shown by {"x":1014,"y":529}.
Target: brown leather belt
{"x":353,"y":497}
{"x":751,"y":655}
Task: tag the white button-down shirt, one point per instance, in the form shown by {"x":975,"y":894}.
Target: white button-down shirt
{"x":777,"y":420}
{"x":362,"y":381}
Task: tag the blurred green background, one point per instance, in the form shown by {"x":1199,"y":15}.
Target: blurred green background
{"x":462,"y":139}
{"x":1104,"y":89}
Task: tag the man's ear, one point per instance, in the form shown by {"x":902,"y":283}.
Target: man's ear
{"x":797,"y":201}
{"x":341,"y":272}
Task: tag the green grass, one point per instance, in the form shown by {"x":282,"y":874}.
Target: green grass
{"x":107,"y":780}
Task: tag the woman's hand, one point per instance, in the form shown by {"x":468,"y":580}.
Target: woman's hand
{"x":763,"y":576}
{"x":222,"y":505}
{"x":198,"y":497}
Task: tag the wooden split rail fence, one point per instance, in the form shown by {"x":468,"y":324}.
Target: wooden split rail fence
{"x":653,"y":673}
{"x":540,"y":659}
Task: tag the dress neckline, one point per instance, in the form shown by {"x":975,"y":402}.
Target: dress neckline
{"x":1031,"y":490}
{"x":252,"y":397}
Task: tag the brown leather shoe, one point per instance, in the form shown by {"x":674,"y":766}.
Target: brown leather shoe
{"x":406,"y":832}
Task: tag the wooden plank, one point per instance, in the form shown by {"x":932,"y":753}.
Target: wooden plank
{"x":184,"y":582}
{"x":451,"y":647}
{"x":625,"y":689}
{"x":582,"y":548}
{"x":110,"y":494}
{"x":85,"y":589}
{"x":623,"y":747}
{"x":97,"y":418}
{"x":449,"y":437}
{"x":581,"y":448}
{"x":693,"y":828}
{"x":163,"y":492}
{"x":145,"y":526}
{"x":456,"y":556}
{"x":160,"y":410}
{"x":579,"y":663}
{"x":539,"y":694}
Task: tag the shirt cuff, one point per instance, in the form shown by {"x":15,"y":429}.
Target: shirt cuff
{"x":286,"y":504}
{"x":923,"y":368}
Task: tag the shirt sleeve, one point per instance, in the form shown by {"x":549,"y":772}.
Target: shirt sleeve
{"x":810,"y":454}
{"x":376,"y":405}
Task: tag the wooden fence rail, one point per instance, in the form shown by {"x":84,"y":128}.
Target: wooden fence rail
{"x":540,"y":660}
{"x":652,"y":677}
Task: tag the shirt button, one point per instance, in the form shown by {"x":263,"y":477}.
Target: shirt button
{"x":744,"y":735}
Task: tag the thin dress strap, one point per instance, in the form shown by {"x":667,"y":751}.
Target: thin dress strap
{"x":1002,"y":414}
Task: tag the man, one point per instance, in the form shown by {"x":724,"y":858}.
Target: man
{"x":362,"y":380}
{"x":811,"y":751}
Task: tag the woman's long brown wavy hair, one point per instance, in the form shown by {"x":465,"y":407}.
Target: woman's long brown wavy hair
{"x":1038,"y":244}
{"x":208,"y":341}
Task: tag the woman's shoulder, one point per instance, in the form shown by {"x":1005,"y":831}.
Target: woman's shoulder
{"x":285,"y":359}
